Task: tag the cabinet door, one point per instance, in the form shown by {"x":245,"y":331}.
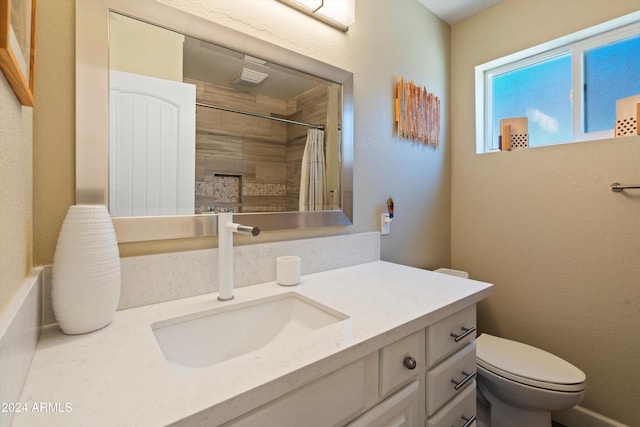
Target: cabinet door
{"x":399,"y":362}
{"x":399,"y":410}
{"x":324,"y":402}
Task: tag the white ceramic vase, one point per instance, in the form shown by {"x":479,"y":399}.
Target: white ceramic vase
{"x":85,"y":285}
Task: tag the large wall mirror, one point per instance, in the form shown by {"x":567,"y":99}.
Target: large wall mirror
{"x":178,"y":117}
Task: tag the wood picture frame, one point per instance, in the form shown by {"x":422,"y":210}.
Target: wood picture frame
{"x":18,"y":46}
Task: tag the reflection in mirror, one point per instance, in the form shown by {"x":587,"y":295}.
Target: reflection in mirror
{"x":196,"y":127}
{"x":241,"y":162}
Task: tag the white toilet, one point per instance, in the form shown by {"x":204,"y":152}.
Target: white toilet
{"x":523,"y":384}
{"x":520,"y":384}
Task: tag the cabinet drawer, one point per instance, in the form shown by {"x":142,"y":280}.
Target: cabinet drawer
{"x":442,"y":335}
{"x":450,"y":378}
{"x":399,"y":410}
{"x":324,"y":402}
{"x":459,"y":412}
{"x":394,"y":371}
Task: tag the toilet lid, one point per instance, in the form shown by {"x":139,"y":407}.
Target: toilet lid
{"x":528,"y":365}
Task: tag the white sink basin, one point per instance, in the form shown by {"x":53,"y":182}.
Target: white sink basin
{"x":203,"y":339}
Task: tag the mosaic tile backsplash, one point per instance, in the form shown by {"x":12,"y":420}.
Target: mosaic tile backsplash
{"x":223,"y":192}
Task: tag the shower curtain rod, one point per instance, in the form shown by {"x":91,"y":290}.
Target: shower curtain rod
{"x":262,"y":116}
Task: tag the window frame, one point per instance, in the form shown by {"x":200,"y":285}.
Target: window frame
{"x":574,"y":44}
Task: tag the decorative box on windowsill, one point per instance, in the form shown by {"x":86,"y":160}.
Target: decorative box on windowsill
{"x":514,"y":133}
{"x":627,"y":116}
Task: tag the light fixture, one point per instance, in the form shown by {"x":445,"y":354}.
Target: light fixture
{"x":337,"y":13}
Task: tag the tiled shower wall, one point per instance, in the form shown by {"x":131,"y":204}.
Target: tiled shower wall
{"x":259,"y":156}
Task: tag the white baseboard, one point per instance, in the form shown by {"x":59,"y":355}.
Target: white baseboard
{"x":582,"y":417}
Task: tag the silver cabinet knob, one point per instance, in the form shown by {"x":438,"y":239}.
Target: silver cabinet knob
{"x":410,"y":362}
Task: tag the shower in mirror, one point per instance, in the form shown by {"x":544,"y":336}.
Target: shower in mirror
{"x":196,"y":128}
{"x":231,"y":124}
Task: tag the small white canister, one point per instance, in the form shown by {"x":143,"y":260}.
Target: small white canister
{"x":288,"y":270}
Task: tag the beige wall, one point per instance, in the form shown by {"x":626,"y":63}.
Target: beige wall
{"x":16,"y":178}
{"x":542,"y":224}
{"x":137,"y":47}
{"x":54,"y":124}
{"x":375,"y":50}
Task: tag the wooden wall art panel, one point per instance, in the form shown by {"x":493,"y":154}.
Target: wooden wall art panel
{"x":418,"y":114}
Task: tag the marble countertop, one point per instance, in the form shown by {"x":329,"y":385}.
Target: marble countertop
{"x":118,"y":376}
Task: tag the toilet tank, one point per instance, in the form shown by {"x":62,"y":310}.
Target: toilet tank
{"x":458,"y":273}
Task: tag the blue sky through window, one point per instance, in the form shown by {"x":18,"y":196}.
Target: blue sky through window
{"x":611,"y":72}
{"x":542,"y":93}
{"x":567,"y":88}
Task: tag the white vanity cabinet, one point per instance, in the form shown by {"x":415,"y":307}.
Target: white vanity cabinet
{"x":451,"y":370}
{"x":428,"y":375}
{"x":382,"y":389}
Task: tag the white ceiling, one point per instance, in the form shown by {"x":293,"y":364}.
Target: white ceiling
{"x":454,"y":11}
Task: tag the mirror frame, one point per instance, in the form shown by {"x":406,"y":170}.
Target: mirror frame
{"x":92,"y":119}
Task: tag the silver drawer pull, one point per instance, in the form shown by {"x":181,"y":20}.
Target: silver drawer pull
{"x":468,"y":421}
{"x":468,"y":377}
{"x":465,"y":332}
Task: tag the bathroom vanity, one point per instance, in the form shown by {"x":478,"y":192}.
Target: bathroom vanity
{"x":390,"y":356}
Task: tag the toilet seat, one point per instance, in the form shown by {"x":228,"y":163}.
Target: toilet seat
{"x":527,"y":365}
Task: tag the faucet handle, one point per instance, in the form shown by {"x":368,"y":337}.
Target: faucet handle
{"x":248,"y":230}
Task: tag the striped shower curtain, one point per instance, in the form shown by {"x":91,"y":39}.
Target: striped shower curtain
{"x":312,"y":177}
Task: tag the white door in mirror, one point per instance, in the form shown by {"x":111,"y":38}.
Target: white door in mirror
{"x":151,"y":146}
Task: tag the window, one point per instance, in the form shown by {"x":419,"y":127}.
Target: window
{"x":566,"y":88}
{"x":611,"y":72}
